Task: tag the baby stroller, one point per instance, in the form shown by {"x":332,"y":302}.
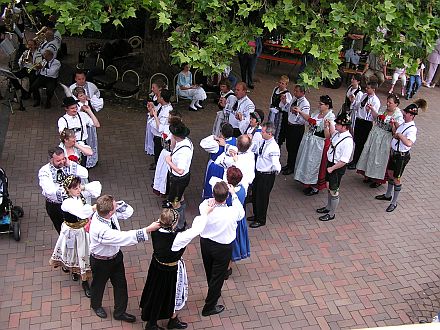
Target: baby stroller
{"x":9,"y":214}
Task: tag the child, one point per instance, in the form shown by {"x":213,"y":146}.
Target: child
{"x":279,"y":108}
{"x":415,"y":80}
{"x":398,"y":73}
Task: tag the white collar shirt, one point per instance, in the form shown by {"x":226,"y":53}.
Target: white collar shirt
{"x":409,"y":130}
{"x":51,"y":69}
{"x":181,"y":156}
{"x":51,"y":183}
{"x":90,"y":88}
{"x":230,"y":101}
{"x":244,"y":106}
{"x":304,"y":105}
{"x":219,"y":226}
{"x":357,"y":98}
{"x":268,"y":156}
{"x":50,"y":45}
{"x":245,"y":162}
{"x":341,"y":147}
{"x":362,"y":112}
{"x":77,"y":123}
{"x":106,"y":241}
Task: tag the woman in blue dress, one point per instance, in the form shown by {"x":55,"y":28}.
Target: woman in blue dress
{"x":216,"y":146}
{"x":241,"y":246}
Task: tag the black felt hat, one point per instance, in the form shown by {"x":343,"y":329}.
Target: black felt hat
{"x":343,"y":119}
{"x":68,"y":101}
{"x":179,"y":130}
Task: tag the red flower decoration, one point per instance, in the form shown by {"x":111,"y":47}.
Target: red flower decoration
{"x":164,"y":136}
{"x":312,"y":121}
{"x":73,"y":158}
{"x":381,"y":117}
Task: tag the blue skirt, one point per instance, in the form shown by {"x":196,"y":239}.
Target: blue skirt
{"x":240,"y":246}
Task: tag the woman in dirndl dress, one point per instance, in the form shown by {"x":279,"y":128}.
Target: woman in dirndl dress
{"x":240,"y":246}
{"x":166,"y":289}
{"x":96,"y":104}
{"x":71,"y":251}
{"x":153,"y":98}
{"x":311,"y":162}
{"x":373,"y":161}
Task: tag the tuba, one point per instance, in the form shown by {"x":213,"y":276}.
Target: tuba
{"x":40,"y":36}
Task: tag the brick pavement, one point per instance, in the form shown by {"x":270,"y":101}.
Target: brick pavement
{"x":367,"y":268}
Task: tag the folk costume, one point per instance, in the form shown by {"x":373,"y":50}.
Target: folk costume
{"x":245,"y":107}
{"x":278,"y":113}
{"x":51,"y":182}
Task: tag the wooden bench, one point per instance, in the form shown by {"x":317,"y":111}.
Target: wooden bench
{"x":271,"y":58}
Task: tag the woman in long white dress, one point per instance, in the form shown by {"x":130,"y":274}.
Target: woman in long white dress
{"x":71,"y":251}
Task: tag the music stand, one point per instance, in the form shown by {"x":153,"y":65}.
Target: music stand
{"x":12,"y":92}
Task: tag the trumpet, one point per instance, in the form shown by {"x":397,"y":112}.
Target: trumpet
{"x":27,"y":57}
{"x":33,"y":67}
{"x":40,"y":36}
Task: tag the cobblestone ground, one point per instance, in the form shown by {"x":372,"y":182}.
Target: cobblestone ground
{"x":366,"y":268}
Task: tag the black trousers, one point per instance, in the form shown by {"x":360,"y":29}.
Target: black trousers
{"x":246,"y":65}
{"x":178,"y":185}
{"x":283,"y":128}
{"x":261,"y":188}
{"x":42,"y":81}
{"x":216,"y":259}
{"x":102,"y":271}
{"x":157,"y":144}
{"x":294,"y":134}
{"x":55,"y":214}
{"x":361,"y":130}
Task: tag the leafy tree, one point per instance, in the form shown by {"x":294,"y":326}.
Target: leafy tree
{"x":209,"y":33}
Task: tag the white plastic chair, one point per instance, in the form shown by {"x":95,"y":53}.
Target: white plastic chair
{"x":128,"y":86}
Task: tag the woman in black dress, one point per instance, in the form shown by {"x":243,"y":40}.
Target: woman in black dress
{"x":166,"y":288}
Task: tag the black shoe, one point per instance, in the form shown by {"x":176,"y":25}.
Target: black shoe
{"x":193,"y":109}
{"x":383,"y":197}
{"x":86,"y":287}
{"x":228,"y":273}
{"x":375,"y":185}
{"x":175,"y":323}
{"x":307,"y":190}
{"x":367,"y":180}
{"x":100,"y":312}
{"x":36,"y":103}
{"x":323,"y":210}
{"x":251,"y":218}
{"x":251,"y":86}
{"x":152,"y":166}
{"x":351,"y":166}
{"x":391,"y":207}
{"x":312,"y":192}
{"x":64,"y":269}
{"x":75,"y":277}
{"x":287,"y":172}
{"x":153,"y":327}
{"x":216,"y":310}
{"x":199,"y":106}
{"x":125,"y":317}
{"x":326,"y":217}
{"x":256,"y":224}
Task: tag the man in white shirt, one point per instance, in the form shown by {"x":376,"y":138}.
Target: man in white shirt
{"x":404,"y":137}
{"x":106,"y":258}
{"x":367,"y":110}
{"x":89,"y":87}
{"x":179,"y":163}
{"x":295,"y":127}
{"x":51,"y":177}
{"x":338,"y":156}
{"x":239,"y":116}
{"x":267,"y":167}
{"x":217,"y":231}
{"x":77,"y":121}
{"x":242,"y":158}
{"x":225,"y":104}
{"x":50,"y":43}
{"x":47,"y":78}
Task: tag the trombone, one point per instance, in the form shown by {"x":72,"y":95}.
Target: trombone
{"x":33,"y":67}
